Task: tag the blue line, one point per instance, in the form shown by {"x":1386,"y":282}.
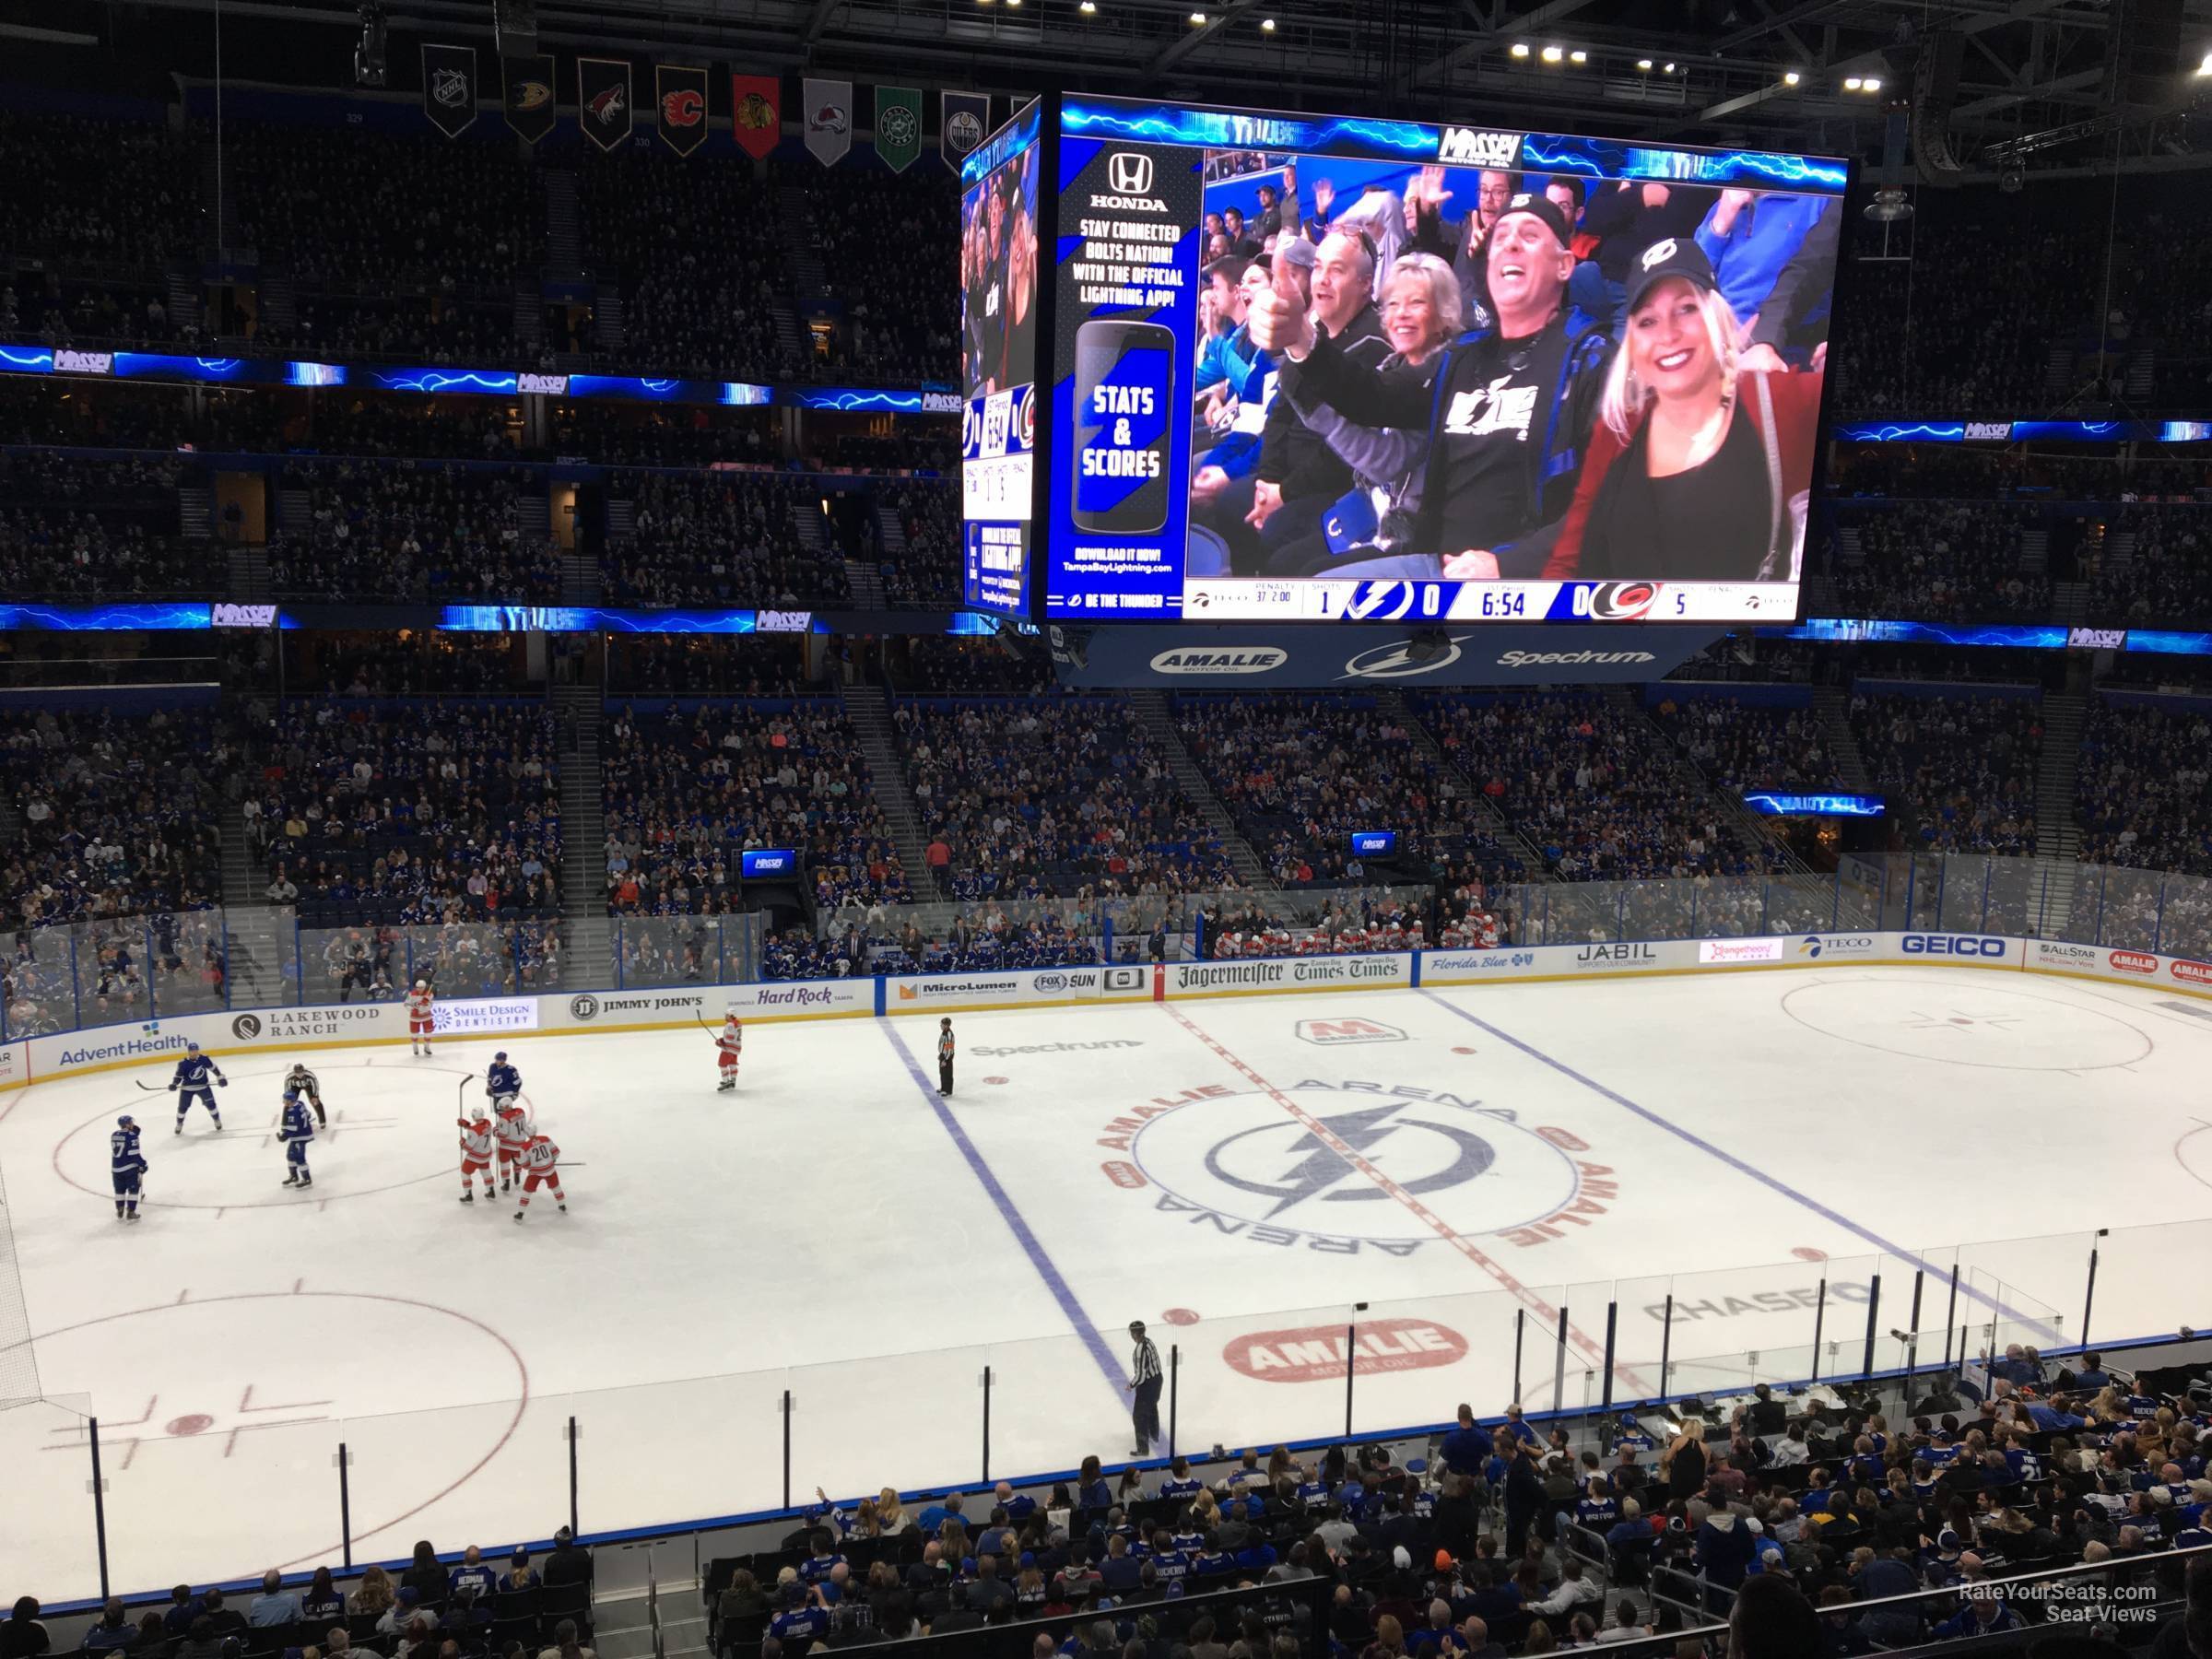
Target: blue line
{"x":1735,"y":1163}
{"x":1108,"y":1364}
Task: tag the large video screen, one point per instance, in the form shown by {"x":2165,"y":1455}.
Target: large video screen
{"x":1315,"y":369}
{"x":998,"y":362}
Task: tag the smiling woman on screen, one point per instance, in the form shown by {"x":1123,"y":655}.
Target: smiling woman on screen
{"x":1697,"y":467}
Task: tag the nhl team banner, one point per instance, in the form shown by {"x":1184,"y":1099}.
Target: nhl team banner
{"x":757,"y":113}
{"x":828,"y":117}
{"x":963,"y":119}
{"x":603,"y":100}
{"x":683,"y":106}
{"x":530,"y":102}
{"x":449,"y":87}
{"x":899,"y":126}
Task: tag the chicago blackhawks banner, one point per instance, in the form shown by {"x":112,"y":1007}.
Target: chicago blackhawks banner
{"x":603,"y":100}
{"x":449,"y":87}
{"x":963,"y":122}
{"x":529,"y":102}
{"x":899,"y":126}
{"x":683,"y":106}
{"x":757,"y":113}
{"x":828,"y":118}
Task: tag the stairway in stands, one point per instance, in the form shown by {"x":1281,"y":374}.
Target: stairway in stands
{"x":1833,"y":704}
{"x":529,"y":317}
{"x":295,"y":512}
{"x":869,"y":709}
{"x":610,"y":326}
{"x":564,"y":221}
{"x":183,"y":298}
{"x":1727,"y":806}
{"x":867,"y":582}
{"x":2064,"y":717}
{"x":195,"y":511}
{"x":1486,"y":817}
{"x":258,"y":946}
{"x":577,"y":711}
{"x":278,"y":306}
{"x":1159,"y":715}
{"x":798,"y":241}
{"x":819,"y":539}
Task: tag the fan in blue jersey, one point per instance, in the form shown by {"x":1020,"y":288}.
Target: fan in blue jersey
{"x":297,"y":1130}
{"x":502,"y":1082}
{"x":190,"y":1083}
{"x":126,"y":1165}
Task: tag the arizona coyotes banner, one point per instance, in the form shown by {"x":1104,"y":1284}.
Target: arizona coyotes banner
{"x":899,"y":126}
{"x":603,"y":100}
{"x":963,"y":122}
{"x":757,"y":113}
{"x":683,"y":106}
{"x":449,"y":87}
{"x":530,"y":102}
{"x":828,"y":117}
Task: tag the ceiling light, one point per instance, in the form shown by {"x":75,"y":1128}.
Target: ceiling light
{"x":1266,"y":25}
{"x":1670,"y":70}
{"x":1198,"y":18}
{"x":1872,"y":84}
{"x":1853,"y":83}
{"x":1790,"y":79}
{"x":1644,"y":64}
{"x":1520,"y":49}
{"x":2206,"y":67}
{"x":1578,"y":56}
{"x":1552,"y":55}
{"x":1087,"y":8}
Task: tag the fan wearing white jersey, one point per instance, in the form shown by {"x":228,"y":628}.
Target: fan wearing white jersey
{"x":418,"y":1018}
{"x":477,"y":1140}
{"x":729,"y":1043}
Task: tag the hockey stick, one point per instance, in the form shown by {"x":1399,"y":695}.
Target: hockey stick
{"x":151,"y":1087}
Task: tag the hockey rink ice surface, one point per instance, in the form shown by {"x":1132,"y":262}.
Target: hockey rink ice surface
{"x":1239,"y":1172}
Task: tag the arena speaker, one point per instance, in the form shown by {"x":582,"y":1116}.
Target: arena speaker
{"x":1935,"y":94}
{"x":2143,"y":57}
{"x":514,"y":28}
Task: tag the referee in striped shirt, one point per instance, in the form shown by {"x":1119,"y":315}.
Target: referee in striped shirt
{"x":1145,"y":1380}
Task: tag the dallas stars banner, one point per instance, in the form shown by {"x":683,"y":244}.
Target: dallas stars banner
{"x":757,"y":113}
{"x":449,"y":87}
{"x":603,"y":100}
{"x":899,"y":126}
{"x":963,"y":122}
{"x":683,"y":106}
{"x":530,"y":101}
{"x":828,"y":116}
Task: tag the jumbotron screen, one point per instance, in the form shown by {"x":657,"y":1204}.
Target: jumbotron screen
{"x":1312,"y":368}
{"x":998,"y":362}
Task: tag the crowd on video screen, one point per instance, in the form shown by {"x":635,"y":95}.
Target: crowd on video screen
{"x":998,"y":278}
{"x":1470,"y":372}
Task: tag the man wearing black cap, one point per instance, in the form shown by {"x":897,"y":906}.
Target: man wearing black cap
{"x":1507,"y":416}
{"x":1144,"y":1380}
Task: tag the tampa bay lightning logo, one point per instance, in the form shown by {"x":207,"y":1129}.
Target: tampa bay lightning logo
{"x":1313,"y":1167}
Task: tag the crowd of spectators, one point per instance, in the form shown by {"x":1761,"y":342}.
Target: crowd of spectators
{"x":81,"y":189}
{"x":75,"y":529}
{"x":928,"y":571}
{"x":423,"y":663}
{"x":109,"y":314}
{"x":744,"y":665}
{"x":933,"y":665}
{"x":1938,"y":562}
{"x":397,"y":531}
{"x":2141,"y":795}
{"x":409,"y":327}
{"x":723,"y":539}
{"x":1959,"y":771}
{"x":655,"y":435}
{"x":2165,"y":578}
{"x":410,"y":813}
{"x":1021,"y":798}
{"x":1750,"y":746}
{"x":889,"y":246}
{"x":686,"y":790}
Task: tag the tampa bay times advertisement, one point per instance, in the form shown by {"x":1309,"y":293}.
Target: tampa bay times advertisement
{"x":1323,"y":368}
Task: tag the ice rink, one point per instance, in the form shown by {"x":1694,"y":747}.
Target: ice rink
{"x":1239,"y":1172}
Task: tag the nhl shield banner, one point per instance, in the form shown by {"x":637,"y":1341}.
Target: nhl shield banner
{"x":682,"y":96}
{"x":449,"y":87}
{"x":828,"y":118}
{"x":757,"y":113}
{"x":603,"y":100}
{"x":530,"y":102}
{"x":963,"y":122}
{"x":899,"y":126}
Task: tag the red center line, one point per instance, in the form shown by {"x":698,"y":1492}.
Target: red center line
{"x":1466,"y":1247}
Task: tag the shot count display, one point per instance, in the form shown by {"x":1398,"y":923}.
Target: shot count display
{"x":1311,"y":367}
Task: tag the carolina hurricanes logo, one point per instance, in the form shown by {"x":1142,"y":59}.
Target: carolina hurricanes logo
{"x":607,"y":107}
{"x":684,"y":107}
{"x":1621,"y":601}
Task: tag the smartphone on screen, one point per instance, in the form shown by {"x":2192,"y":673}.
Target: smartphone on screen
{"x":1125,"y":388}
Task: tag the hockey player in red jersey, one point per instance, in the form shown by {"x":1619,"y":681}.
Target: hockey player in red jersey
{"x":476,"y":1141}
{"x":540,"y":1159}
{"x":512,"y":1132}
{"x":418,"y":1018}
{"x":729,"y":1043}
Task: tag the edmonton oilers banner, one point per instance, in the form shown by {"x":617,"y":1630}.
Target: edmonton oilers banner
{"x":757,"y":113}
{"x":449,"y":87}
{"x":530,"y":101}
{"x":963,"y":122}
{"x":899,"y":126}
{"x":828,"y":117}
{"x":603,"y":100}
{"x":682,"y":103}
{"x":1260,"y":657}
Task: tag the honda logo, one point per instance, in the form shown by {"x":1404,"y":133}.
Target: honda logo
{"x":1129,"y":172}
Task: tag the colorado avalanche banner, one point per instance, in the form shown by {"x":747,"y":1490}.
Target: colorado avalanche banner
{"x":530,"y":102}
{"x":683,"y":106}
{"x":899,"y":126}
{"x":756,"y":113}
{"x":449,"y":87}
{"x":962,"y":120}
{"x":603,"y":100}
{"x":828,"y":118}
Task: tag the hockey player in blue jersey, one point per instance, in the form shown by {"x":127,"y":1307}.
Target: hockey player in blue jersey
{"x":502,"y":1082}
{"x":191,"y":1082}
{"x":126,"y":1166}
{"x":295,"y":1131}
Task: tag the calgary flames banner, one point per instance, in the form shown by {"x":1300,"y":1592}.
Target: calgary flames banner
{"x":449,"y":87}
{"x":683,"y":106}
{"x":603,"y":102}
{"x":757,"y":113}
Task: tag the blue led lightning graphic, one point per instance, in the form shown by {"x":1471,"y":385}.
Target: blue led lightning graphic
{"x":445,"y":380}
{"x":1882,"y":432}
{"x":1216,"y":129}
{"x":26,"y":359}
{"x":849,"y":399}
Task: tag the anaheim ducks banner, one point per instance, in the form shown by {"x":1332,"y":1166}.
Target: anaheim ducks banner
{"x":603,"y":100}
{"x":449,"y":87}
{"x":757,"y":113}
{"x":828,"y":116}
{"x":683,"y":106}
{"x":530,"y":102}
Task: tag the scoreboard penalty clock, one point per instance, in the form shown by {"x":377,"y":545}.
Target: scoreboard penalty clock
{"x":1481,"y":421}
